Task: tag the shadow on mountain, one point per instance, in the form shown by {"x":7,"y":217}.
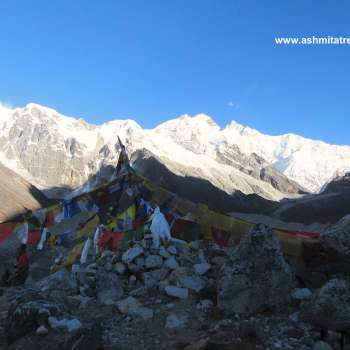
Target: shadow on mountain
{"x":327,"y":207}
{"x":18,"y":195}
{"x":199,"y":190}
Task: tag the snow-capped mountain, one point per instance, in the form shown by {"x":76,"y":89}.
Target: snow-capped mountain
{"x":54,"y":151}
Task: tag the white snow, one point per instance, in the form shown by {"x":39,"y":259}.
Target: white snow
{"x":191,"y":142}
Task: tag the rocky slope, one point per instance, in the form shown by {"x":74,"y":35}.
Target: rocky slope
{"x":54,"y":151}
{"x":329,"y":206}
{"x":189,"y":296}
{"x":17,"y":195}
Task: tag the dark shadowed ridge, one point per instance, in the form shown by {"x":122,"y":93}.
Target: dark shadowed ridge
{"x":18,"y":195}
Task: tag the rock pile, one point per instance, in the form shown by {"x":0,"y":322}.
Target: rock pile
{"x":178,"y":270}
{"x":199,"y":295}
{"x":258,"y":276}
{"x":329,"y":308}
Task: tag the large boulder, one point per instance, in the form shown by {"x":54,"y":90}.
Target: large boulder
{"x":257,"y":277}
{"x":329,"y":308}
{"x":61,"y":280}
{"x":27,"y":313}
{"x":336,"y":240}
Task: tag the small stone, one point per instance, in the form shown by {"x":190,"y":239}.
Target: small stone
{"x":301,"y":294}
{"x":92,"y":266}
{"x":194,"y":245}
{"x":172,"y":250}
{"x":153,"y":261}
{"x":42,"y":330}
{"x":192,"y":282}
{"x":205,"y":304}
{"x":138,"y":292}
{"x":69,"y":325}
{"x":106,"y":254}
{"x":132,"y":254}
{"x":132,"y":307}
{"x":171,"y":263}
{"x":108,"y":266}
{"x":321,"y":345}
{"x":164,"y":253}
{"x":175,"y":321}
{"x":134,"y":268}
{"x":295,"y":317}
{"x":140,"y":262}
{"x":151,"y":278}
{"x":74,"y":301}
{"x":201,"y":257}
{"x":132,"y":280}
{"x":219,"y":260}
{"x":144,"y":312}
{"x":181,"y":293}
{"x":201,"y":269}
{"x":120,"y":268}
{"x":127,"y":304}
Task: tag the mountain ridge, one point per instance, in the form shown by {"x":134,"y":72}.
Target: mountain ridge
{"x":189,"y":141}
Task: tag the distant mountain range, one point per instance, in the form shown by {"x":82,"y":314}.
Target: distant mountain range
{"x":58,"y":153}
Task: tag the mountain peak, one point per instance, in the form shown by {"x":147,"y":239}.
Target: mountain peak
{"x":185,"y":121}
{"x":47,"y":110}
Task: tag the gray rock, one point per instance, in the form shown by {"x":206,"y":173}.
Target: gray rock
{"x":329,"y":308}
{"x":106,"y":254}
{"x":321,"y":345}
{"x":128,"y":304}
{"x":258,"y":277}
{"x":132,"y":307}
{"x":336,"y":239}
{"x":181,"y":293}
{"x":134,"y":268}
{"x":132,"y":280}
{"x":172,"y":250}
{"x":138,"y":292}
{"x":92,"y":267}
{"x":119,"y":268}
{"x":164,"y":253}
{"x":151,"y":278}
{"x":201,"y":257}
{"x":301,"y":294}
{"x":194,"y":245}
{"x":205,"y":304}
{"x":42,"y":330}
{"x":176,"y":321}
{"x":140,"y":262}
{"x":70,"y":325}
{"x":194,"y":283}
{"x":109,"y":288}
{"x":153,"y":261}
{"x":61,"y":280}
{"x":108,"y":266}
{"x":219,"y":260}
{"x":26,"y":315}
{"x":132,"y":254}
{"x":201,"y":269}
{"x":144,"y":312}
{"x":171,"y":263}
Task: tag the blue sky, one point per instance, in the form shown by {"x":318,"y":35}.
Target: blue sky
{"x":154,"y":60}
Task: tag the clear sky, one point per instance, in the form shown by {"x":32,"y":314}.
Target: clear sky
{"x":154,"y":60}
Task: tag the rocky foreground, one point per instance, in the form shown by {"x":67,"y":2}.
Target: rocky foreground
{"x":185,"y":296}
